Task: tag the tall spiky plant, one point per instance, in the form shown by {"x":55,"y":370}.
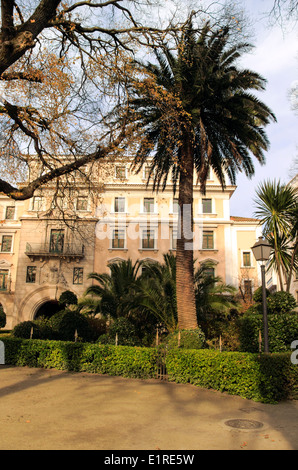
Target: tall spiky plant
{"x":193,"y":109}
{"x":277,"y":208}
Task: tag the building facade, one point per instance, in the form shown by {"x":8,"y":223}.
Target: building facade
{"x":45,"y":250}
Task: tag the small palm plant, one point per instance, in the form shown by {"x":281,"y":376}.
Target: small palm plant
{"x":277,"y":209}
{"x":112,"y":294}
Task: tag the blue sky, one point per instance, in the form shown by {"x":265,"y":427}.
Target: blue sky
{"x":275,"y":57}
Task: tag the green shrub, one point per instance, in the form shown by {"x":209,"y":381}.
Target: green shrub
{"x":67,"y":298}
{"x":282,"y":330}
{"x":24,"y":329}
{"x":277,"y":303}
{"x":66,"y":323}
{"x":227,"y":329}
{"x":81,"y":357}
{"x":125,"y":331}
{"x":99,"y":325}
{"x":281,"y":302}
{"x":45,"y":330}
{"x":189,"y":339}
{"x":265,"y":378}
{"x":258,"y":294}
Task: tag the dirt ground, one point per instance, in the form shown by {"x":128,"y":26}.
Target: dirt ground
{"x":56,"y":410}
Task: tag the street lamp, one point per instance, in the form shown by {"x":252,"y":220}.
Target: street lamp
{"x":261,"y":251}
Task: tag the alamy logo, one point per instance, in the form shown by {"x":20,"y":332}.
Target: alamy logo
{"x":2,"y":353}
{"x":294,"y":355}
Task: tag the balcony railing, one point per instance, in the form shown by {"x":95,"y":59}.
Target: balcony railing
{"x":67,"y":251}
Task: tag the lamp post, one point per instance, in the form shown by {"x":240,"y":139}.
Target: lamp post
{"x":261,"y":251}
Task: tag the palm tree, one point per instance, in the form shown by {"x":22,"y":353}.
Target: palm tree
{"x":213,"y":297}
{"x":113,"y":292}
{"x":193,"y":110}
{"x":157,"y":291}
{"x":277,"y":209}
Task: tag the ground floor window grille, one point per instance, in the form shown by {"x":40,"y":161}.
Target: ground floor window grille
{"x":78,"y":275}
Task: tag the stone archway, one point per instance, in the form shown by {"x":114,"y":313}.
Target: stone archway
{"x":47,"y":309}
{"x":34,"y":300}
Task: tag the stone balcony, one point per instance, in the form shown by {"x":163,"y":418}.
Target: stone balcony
{"x":69,"y":252}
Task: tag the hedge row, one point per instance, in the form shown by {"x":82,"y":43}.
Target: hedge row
{"x":81,"y":357}
{"x":266,"y":378}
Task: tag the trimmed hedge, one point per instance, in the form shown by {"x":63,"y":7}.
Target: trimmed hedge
{"x":81,"y":357}
{"x":264,"y":378}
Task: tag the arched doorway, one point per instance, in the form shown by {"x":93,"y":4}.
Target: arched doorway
{"x":47,"y":309}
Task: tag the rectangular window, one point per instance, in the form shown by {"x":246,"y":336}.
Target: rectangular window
{"x":247,"y":289}
{"x":148,"y":204}
{"x":82,"y":203}
{"x":209,"y":272}
{"x":174,"y":239}
{"x":146,"y":173}
{"x":246,"y":259}
{"x":10,"y":212}
{"x":118,"y":240}
{"x":31,"y":274}
{"x":3,"y":279}
{"x":6,"y":244}
{"x":175,"y":206}
{"x":57,"y":241}
{"x":119,"y":204}
{"x":37,"y":203}
{"x":120,"y":172}
{"x":208,"y":240}
{"x":148,"y":239}
{"x":207,"y":206}
{"x":78,"y":274}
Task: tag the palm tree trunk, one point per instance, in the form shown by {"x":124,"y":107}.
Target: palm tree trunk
{"x":279,"y":273}
{"x":186,"y":305}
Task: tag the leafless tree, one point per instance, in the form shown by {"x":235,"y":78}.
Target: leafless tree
{"x":56,"y":63}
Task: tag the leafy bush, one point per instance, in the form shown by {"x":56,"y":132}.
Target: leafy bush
{"x":24,"y":329}
{"x":40,"y":330}
{"x":282,"y":330}
{"x":258,"y":294}
{"x":189,"y":339}
{"x":81,"y":357}
{"x":227,"y":329}
{"x":98,"y":325}
{"x":126,"y":333}
{"x":281,"y":302}
{"x":67,"y":298}
{"x":44,"y":328}
{"x":277,"y":303}
{"x":265,"y":378}
{"x":66,"y":323}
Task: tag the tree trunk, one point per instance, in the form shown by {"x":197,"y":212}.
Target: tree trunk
{"x":186,"y":305}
